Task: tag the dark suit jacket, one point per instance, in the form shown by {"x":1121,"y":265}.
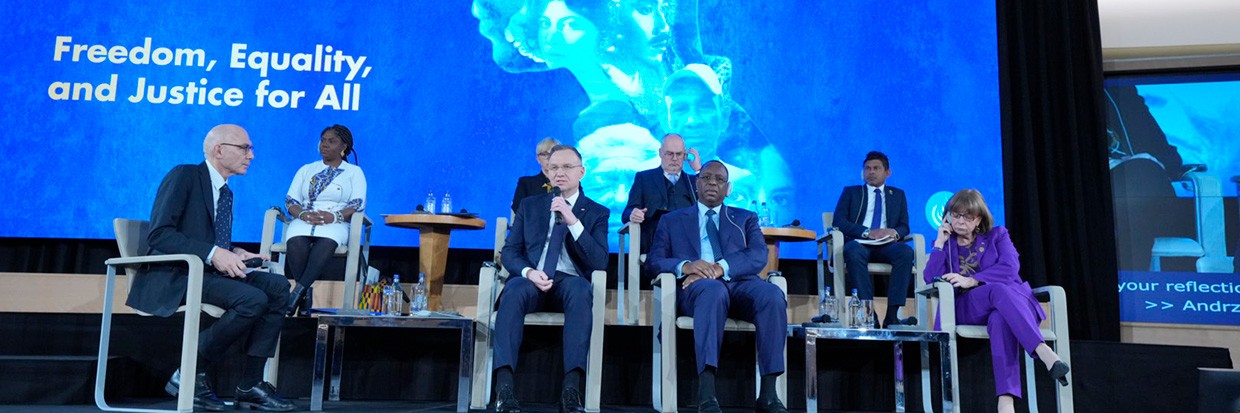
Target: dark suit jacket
{"x":850,"y":211}
{"x":181,"y":223}
{"x":530,"y":185}
{"x":677,"y":240}
{"x":528,"y":236}
{"x":653,"y":191}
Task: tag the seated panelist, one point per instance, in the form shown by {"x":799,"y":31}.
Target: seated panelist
{"x":556,"y":241}
{"x":322,"y":199}
{"x":716,"y":253}
{"x":979,"y":259}
{"x":876,"y":212}
{"x":663,"y":189}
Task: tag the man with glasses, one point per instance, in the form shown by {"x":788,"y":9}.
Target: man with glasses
{"x":193,"y":215}
{"x":662,"y":189}
{"x":716,"y":253}
{"x":538,"y":183}
{"x":877,"y":214}
{"x":556,"y":241}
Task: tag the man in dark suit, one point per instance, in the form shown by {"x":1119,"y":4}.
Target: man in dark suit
{"x":536,"y":184}
{"x":663,"y":189}
{"x":717,"y":252}
{"x":875,"y":211}
{"x":555,"y":243}
{"x":193,"y":215}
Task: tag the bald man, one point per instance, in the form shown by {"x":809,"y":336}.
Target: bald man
{"x":193,"y":215}
{"x":666,"y":188}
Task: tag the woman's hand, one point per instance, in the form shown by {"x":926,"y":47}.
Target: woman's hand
{"x":945,"y":232}
{"x":960,"y":281}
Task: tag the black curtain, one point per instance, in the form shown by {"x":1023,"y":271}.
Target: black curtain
{"x":1056,"y":178}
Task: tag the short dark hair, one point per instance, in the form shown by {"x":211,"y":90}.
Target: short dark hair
{"x":717,"y":162}
{"x":879,"y":156}
{"x":563,"y":147}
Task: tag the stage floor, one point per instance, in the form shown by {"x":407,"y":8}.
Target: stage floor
{"x":330,"y":407}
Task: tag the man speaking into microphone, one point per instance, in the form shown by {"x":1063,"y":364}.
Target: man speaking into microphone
{"x":556,"y":241}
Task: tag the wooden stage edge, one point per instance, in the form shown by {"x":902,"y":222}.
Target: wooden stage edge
{"x":82,"y":294}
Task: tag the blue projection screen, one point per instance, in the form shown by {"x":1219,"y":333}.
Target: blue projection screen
{"x":102,"y":99}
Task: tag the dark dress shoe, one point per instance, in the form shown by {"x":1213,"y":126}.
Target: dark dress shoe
{"x":204,"y":397}
{"x":1059,"y":372}
{"x":262,"y":397}
{"x":294,"y":302}
{"x":911,"y":321}
{"x":770,"y":406}
{"x":709,"y":406}
{"x":570,"y":401}
{"x":506,"y":400}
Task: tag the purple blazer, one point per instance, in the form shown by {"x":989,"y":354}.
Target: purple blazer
{"x":999,"y":263}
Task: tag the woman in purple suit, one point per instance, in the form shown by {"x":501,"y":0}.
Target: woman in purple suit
{"x":979,"y":260}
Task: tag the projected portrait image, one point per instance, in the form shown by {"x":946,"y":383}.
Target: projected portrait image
{"x":622,"y":54}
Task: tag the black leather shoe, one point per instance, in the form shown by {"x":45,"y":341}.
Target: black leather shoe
{"x":307,"y":302}
{"x":506,"y":400}
{"x":262,"y":397}
{"x":570,"y":401}
{"x":709,"y":406}
{"x":911,"y":321}
{"x":204,"y":397}
{"x":771,"y":406}
{"x":1059,"y":372}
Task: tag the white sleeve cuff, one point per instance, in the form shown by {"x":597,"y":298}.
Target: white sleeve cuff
{"x":576,"y":229}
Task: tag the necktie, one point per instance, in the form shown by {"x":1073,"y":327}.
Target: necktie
{"x":712,"y":234}
{"x":877,"y":222}
{"x":223,"y":219}
{"x":555,"y":244}
{"x":673,"y":178}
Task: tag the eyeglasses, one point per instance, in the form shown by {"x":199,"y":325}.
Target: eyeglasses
{"x":966,"y":217}
{"x":713,"y":179}
{"x":544,"y":154}
{"x":556,"y":168}
{"x":673,"y":155}
{"x":246,"y":148}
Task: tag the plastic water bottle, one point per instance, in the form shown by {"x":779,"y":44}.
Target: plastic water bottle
{"x":856,"y":314}
{"x":764,"y":217}
{"x":397,"y":295}
{"x":419,"y":295}
{"x":447,"y":203}
{"x":826,"y":304}
{"x":430,"y":202}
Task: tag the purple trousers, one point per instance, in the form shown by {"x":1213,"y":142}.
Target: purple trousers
{"x":1011,"y":315}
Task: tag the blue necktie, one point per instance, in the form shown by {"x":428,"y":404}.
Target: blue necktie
{"x":712,"y":234}
{"x":877,"y":222}
{"x":553,"y":249}
{"x":223,"y":219}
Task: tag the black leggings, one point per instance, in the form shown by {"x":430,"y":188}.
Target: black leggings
{"x":306,"y":257}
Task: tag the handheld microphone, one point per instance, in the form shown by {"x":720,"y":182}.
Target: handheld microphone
{"x":559,"y":217}
{"x":796,"y":223}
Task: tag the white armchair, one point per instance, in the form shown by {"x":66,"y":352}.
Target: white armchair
{"x":490,"y":283}
{"x":833,"y":241}
{"x":354,"y":252}
{"x":131,"y":238}
{"x":666,"y":322}
{"x":1056,"y":335}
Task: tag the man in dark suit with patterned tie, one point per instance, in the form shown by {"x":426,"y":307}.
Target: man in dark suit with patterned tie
{"x":556,"y":241}
{"x":663,"y":189}
{"x":716,"y":252}
{"x":875,"y":211}
{"x":193,"y":215}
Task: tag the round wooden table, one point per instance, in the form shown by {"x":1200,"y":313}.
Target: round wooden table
{"x":775,"y":235}
{"x":433,"y":248}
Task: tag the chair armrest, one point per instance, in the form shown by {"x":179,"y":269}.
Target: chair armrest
{"x":665,"y":288}
{"x":777,"y":278}
{"x":269,"y":230}
{"x":945,"y":294}
{"x":598,"y":283}
{"x":827,"y":237}
{"x":1059,"y":308}
{"x":193,"y":290}
{"x":1049,"y":293}
{"x":624,"y":229}
{"x":487,"y":292}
